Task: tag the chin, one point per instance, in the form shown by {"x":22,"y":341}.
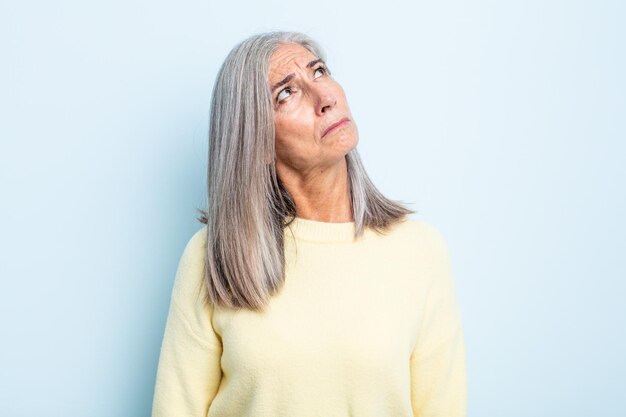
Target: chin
{"x":348,"y":141}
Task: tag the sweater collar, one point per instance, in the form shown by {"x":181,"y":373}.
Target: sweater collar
{"x":316,"y":231}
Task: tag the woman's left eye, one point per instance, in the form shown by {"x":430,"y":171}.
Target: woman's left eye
{"x":319,"y":71}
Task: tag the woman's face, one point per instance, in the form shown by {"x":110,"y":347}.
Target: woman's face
{"x":313,"y":124}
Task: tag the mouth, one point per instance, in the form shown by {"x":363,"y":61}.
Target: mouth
{"x":336,"y":125}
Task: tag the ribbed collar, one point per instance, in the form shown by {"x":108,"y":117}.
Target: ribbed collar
{"x":316,"y":231}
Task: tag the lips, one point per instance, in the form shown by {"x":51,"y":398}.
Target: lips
{"x":337,"y":124}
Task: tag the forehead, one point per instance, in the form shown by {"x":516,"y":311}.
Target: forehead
{"x":287,"y":58}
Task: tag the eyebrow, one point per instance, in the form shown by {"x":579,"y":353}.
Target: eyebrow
{"x":290,"y":76}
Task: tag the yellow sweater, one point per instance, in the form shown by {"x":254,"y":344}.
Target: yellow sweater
{"x":364,"y":328}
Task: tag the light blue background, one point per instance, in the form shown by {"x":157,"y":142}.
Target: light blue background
{"x":502,"y":122}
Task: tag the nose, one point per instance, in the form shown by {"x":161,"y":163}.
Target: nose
{"x":326,"y":99}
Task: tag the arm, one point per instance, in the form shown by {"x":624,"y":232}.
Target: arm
{"x":189,"y":371}
{"x":438,"y":373}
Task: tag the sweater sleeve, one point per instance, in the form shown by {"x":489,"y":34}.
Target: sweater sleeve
{"x":437,"y":364}
{"x":189,"y":371}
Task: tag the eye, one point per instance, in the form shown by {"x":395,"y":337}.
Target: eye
{"x":319,"y":71}
{"x":283,"y":94}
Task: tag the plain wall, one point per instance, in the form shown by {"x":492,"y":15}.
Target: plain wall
{"x":501,"y":123}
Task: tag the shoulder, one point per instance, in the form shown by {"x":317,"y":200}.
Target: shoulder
{"x":197,"y":242}
{"x":191,"y":267}
{"x":421,"y":241}
{"x":420,"y":233}
{"x":195,"y":249}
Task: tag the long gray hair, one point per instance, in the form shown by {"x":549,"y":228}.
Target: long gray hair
{"x":248,"y":207}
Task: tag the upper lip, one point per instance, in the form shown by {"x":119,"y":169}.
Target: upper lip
{"x":344,"y":119}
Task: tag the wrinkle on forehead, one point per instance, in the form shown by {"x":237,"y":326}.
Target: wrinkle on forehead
{"x":286,"y":58}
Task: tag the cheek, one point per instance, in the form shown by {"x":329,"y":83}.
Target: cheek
{"x":294,"y":141}
{"x":286,"y":138}
{"x":282,"y":128}
{"x":293,"y":129}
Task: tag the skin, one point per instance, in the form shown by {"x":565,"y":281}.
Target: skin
{"x":311,"y":166}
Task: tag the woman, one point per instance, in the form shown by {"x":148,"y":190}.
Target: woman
{"x":308,"y":293}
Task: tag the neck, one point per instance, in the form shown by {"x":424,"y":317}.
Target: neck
{"x":321,"y":194}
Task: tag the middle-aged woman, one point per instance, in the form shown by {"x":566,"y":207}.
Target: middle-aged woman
{"x":307,"y":293}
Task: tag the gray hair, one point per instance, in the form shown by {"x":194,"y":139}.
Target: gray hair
{"x":248,"y":207}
